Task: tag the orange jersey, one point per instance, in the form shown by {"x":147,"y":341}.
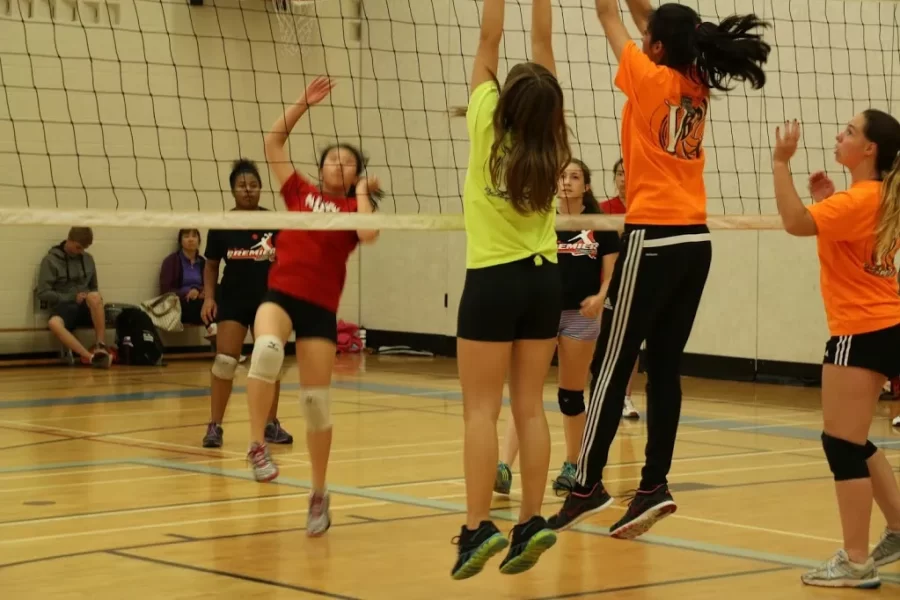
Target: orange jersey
{"x":859,"y":289}
{"x":662,"y":142}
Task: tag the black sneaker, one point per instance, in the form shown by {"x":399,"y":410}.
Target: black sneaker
{"x":529,"y":540}
{"x":644,"y":511}
{"x":213,"y":437}
{"x":579,"y":506}
{"x":276,"y":434}
{"x":476,"y":548}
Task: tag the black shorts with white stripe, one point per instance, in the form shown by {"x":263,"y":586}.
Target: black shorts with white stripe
{"x":877,"y":351}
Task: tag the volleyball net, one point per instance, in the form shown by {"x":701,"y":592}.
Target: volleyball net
{"x":124,"y":107}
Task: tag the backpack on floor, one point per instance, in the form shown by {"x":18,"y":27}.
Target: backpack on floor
{"x":348,"y":338}
{"x":137,"y":339}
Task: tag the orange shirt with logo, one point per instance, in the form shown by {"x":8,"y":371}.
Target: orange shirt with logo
{"x":662,"y":142}
{"x":859,"y":289}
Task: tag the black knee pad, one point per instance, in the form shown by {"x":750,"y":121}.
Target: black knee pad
{"x":846,"y":459}
{"x":571,"y":402}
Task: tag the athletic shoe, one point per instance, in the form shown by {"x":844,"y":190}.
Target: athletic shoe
{"x":213,"y":437}
{"x":644,"y":511}
{"x":579,"y":506}
{"x":476,"y":548}
{"x":896,"y":421}
{"x":275,"y":434}
{"x":264,"y":468}
{"x":888,"y":549}
{"x":503,"y":480}
{"x":318,"y":518}
{"x":529,"y":541}
{"x":565,"y":481}
{"x":629,"y":411}
{"x":840,"y":572}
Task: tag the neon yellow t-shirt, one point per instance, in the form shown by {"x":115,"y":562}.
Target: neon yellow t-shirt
{"x":495,"y":233}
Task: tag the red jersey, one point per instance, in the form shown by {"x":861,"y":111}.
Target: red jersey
{"x":613,"y":206}
{"x":312,"y":265}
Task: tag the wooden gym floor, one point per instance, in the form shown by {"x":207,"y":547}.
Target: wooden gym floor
{"x":105,"y":492}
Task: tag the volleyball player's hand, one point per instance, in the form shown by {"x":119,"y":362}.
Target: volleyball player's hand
{"x":786,"y":139}
{"x":592,"y":306}
{"x":317,"y":91}
{"x":193,"y":294}
{"x":208,"y":312}
{"x":820,"y":186}
{"x":368,"y":185}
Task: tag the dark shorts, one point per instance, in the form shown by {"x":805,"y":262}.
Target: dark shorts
{"x":237,"y":306}
{"x":309,"y":320}
{"x":521,"y":300}
{"x":190,"y":311}
{"x":877,"y":351}
{"x":74,"y":315}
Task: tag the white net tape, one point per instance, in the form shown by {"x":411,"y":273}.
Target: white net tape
{"x":318,"y":221}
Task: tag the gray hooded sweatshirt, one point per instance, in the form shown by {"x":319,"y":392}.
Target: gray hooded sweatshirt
{"x":62,"y":276}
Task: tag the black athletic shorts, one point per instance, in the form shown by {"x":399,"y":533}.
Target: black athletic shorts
{"x":310,"y":320}
{"x":74,"y":315}
{"x":521,"y":300}
{"x":235,"y":305}
{"x":877,"y":351}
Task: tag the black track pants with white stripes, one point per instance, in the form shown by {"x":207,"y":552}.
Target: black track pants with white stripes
{"x":654,"y":295}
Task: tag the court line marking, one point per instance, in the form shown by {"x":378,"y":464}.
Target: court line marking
{"x":149,"y":509}
{"x":171,"y":524}
{"x":213,"y":538}
{"x":786,"y":431}
{"x":239,"y":576}
{"x":665,"y":583}
{"x":387,"y":498}
{"x":507,"y":515}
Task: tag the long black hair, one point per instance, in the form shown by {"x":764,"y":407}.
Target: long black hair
{"x":362,"y":161}
{"x":591,"y":206}
{"x":711,"y":54}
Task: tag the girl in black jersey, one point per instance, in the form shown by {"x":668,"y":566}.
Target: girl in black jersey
{"x":232,"y":303}
{"x":586,"y":261}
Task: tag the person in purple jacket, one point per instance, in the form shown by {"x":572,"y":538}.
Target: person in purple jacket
{"x":182,"y":273}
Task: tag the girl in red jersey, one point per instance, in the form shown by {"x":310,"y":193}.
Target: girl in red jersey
{"x":857,"y":234}
{"x":305,"y":285}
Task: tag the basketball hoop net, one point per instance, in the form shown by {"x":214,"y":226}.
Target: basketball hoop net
{"x":296,"y":22}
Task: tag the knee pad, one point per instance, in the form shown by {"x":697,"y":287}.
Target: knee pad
{"x":267,"y":359}
{"x":846,"y":459}
{"x":316,"y":405}
{"x":571,"y":402}
{"x":224,"y":367}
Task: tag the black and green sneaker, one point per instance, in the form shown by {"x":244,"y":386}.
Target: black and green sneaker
{"x":476,"y":548}
{"x":529,"y":540}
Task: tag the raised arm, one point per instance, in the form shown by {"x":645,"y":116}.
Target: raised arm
{"x":278,"y":160}
{"x":616,"y":34}
{"x":542,"y":35}
{"x":640,"y":13}
{"x":487,"y":58}
{"x":794,"y":215}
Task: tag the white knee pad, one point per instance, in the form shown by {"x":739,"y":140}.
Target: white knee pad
{"x":224,"y":367}
{"x":316,"y":405}
{"x":267,"y":358}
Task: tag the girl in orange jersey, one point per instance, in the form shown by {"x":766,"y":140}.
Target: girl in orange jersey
{"x":665,"y":252}
{"x":857,"y":232}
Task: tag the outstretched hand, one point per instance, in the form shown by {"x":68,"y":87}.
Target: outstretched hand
{"x":318,"y":90}
{"x":786,"y":141}
{"x":820,"y":186}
